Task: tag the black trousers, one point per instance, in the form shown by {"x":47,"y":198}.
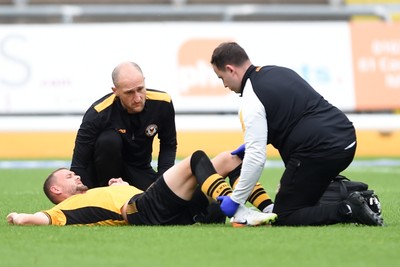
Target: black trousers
{"x":302,"y":185}
{"x":109,"y":163}
{"x":158,"y":205}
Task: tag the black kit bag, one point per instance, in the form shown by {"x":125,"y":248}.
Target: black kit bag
{"x":341,"y":187}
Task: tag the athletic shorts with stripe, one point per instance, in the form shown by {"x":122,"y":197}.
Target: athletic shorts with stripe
{"x":158,"y":205}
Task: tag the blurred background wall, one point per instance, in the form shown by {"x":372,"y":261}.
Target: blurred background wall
{"x":56,"y":58}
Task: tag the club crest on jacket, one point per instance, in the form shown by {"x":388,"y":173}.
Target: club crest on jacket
{"x":151,"y":130}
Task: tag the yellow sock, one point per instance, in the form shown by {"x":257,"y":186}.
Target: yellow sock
{"x":258,"y":197}
{"x":215,"y":186}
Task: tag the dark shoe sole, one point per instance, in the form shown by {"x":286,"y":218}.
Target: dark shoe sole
{"x":361,"y":213}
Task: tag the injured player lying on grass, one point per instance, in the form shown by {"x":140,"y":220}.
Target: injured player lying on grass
{"x":164,"y":203}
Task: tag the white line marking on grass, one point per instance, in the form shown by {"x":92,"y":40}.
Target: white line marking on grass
{"x":376,"y":170}
{"x":32,"y":164}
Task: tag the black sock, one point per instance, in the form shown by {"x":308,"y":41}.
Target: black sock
{"x":201,"y":166}
{"x":234,"y":175}
{"x":212,"y":184}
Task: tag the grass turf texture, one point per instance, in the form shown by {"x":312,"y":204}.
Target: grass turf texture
{"x":198,"y":245}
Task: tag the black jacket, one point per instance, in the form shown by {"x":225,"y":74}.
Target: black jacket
{"x":300,"y":120}
{"x":137,"y":132}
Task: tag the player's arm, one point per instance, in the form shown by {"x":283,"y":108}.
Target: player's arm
{"x":38,"y":218}
{"x":168,"y":140}
{"x":255,"y":137}
{"x":84,"y":146}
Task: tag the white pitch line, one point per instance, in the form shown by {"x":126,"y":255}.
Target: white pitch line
{"x":356,"y":164}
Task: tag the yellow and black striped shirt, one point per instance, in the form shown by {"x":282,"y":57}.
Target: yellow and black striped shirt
{"x":98,"y":206}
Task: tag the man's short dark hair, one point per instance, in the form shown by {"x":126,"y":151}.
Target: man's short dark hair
{"x":228,"y":53}
{"x":48,"y":183}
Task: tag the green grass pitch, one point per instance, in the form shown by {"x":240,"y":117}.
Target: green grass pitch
{"x":199,"y":245}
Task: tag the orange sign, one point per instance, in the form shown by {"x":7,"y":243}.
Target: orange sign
{"x":194,"y":61}
{"x":376,"y":61}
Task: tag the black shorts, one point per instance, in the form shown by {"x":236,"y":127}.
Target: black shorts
{"x":158,"y":205}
